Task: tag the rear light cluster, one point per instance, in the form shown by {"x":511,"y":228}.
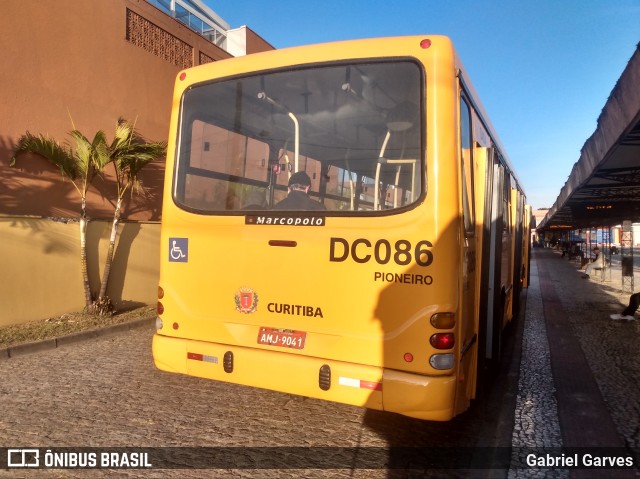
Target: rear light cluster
{"x":160,"y":308}
{"x":443,"y":341}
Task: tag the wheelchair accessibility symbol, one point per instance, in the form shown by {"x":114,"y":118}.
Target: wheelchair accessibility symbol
{"x":179,"y":250}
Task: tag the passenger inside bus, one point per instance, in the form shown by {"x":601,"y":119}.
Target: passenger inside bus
{"x":298,"y":197}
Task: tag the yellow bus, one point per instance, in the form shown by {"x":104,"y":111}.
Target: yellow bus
{"x":389,"y":286}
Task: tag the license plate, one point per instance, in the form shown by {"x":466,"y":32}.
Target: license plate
{"x":282,"y":337}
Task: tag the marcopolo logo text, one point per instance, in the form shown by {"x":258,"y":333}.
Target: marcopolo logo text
{"x":279,"y":220}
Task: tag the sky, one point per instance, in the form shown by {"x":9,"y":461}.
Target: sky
{"x":543,"y":68}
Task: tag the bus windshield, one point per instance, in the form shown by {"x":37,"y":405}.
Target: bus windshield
{"x":356,"y":129}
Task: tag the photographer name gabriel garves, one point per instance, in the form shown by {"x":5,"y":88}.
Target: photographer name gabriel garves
{"x":580,"y":460}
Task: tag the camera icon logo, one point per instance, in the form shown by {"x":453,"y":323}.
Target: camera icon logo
{"x":23,"y":458}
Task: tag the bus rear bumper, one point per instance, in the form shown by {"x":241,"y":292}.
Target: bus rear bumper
{"x":418,"y":396}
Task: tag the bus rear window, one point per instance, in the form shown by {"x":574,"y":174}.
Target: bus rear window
{"x":356,"y":130}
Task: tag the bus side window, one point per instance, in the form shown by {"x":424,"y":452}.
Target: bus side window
{"x":468,"y":212}
{"x":506,"y":204}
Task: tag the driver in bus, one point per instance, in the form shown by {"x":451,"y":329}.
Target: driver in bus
{"x":298,"y":197}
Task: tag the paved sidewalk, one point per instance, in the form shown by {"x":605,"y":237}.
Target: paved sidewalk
{"x":594,"y":360}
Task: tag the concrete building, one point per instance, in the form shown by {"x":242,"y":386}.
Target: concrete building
{"x":87,"y":63}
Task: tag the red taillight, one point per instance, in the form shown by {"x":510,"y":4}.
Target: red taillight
{"x":408,"y":357}
{"x":442,"y":340}
{"x":160,"y":292}
{"x":183,"y":75}
{"x":426,"y":43}
{"x":160,"y":308}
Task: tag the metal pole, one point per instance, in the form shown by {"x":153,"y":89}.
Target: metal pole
{"x":626,"y":257}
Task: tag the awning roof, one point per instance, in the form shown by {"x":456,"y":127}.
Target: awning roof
{"x":604,"y":186}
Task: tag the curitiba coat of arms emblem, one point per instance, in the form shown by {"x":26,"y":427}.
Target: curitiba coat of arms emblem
{"x":246,"y":300}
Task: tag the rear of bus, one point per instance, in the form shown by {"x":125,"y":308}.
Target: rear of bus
{"x":355,"y":302}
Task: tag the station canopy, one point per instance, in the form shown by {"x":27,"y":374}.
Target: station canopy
{"x":603,"y":188}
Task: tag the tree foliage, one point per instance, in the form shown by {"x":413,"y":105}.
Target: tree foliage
{"x":81,"y":162}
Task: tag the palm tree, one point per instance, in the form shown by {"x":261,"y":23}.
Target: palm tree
{"x":128,"y":153}
{"x":81,"y":165}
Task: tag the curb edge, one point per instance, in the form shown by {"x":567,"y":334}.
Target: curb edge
{"x":53,"y":343}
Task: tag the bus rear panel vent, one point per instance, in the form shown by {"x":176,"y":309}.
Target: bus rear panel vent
{"x":324,"y":378}
{"x":227,"y":363}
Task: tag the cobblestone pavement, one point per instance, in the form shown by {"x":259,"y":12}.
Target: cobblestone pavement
{"x":536,"y":413}
{"x":105,"y":392}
